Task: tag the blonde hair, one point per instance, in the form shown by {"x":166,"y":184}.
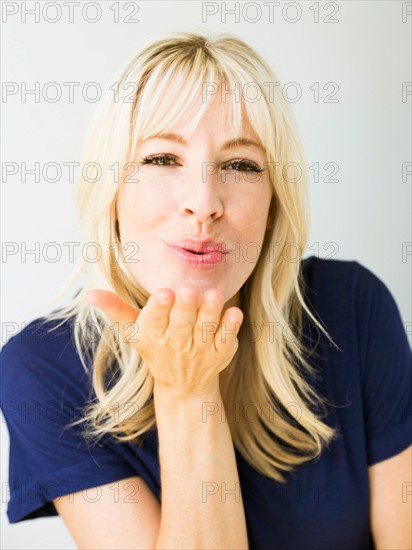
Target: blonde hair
{"x":270,"y":370}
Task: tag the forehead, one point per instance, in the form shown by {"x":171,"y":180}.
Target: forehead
{"x":219,"y":111}
{"x":177,"y":105}
{"x":223,"y":105}
{"x":239,"y":141}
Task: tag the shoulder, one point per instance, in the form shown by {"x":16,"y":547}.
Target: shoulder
{"x":41,"y":338}
{"x":346,"y":284}
{"x":358,"y":308}
{"x":40,"y":335}
{"x":354,"y":303}
{"x":319,"y":271}
{"x":43,"y":390}
{"x":42,"y":354}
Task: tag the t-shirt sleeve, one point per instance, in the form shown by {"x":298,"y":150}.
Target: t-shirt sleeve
{"x":386,"y":369}
{"x":47,"y":459}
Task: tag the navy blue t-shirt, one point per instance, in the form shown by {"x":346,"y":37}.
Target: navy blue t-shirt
{"x":325,"y":503}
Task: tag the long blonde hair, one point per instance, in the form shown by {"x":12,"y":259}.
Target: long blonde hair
{"x":270,"y":369}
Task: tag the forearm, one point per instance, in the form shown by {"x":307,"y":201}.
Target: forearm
{"x":202,"y":505}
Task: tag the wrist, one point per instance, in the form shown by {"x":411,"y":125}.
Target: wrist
{"x":172,"y":397}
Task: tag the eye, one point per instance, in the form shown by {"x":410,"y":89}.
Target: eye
{"x":239,"y":165}
{"x":158,"y":160}
{"x":247,"y":166}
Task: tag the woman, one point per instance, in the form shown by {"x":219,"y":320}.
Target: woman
{"x":192,"y":382}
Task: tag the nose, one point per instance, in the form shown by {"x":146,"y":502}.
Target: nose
{"x":201,"y":202}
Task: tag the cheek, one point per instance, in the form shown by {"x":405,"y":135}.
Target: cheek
{"x":250,"y":215}
{"x":141,"y":207}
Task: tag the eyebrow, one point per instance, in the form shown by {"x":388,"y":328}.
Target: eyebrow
{"x":230,"y":144}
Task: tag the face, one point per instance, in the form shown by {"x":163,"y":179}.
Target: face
{"x":199,"y":210}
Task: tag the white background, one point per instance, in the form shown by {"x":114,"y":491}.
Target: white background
{"x":367,"y":133}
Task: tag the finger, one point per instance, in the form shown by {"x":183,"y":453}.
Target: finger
{"x":208,"y":317}
{"x":118,"y":311}
{"x":226,"y":334}
{"x":183,"y":314}
{"x":156,"y":311}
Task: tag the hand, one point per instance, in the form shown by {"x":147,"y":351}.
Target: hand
{"x":185,"y":346}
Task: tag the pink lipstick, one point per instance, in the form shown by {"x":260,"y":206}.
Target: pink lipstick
{"x":201,"y":253}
